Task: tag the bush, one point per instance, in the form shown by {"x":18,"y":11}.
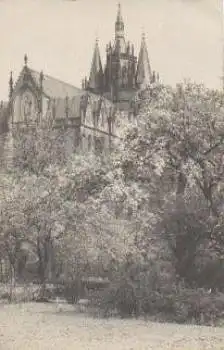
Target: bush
{"x":169,"y":303}
{"x":126,"y":299}
{"x":199,"y":306}
{"x":5,"y":296}
{"x":20,"y":293}
{"x":121,"y":298}
{"x":189,"y":306}
{"x":45,"y":293}
{"x":71,"y":291}
{"x":211,"y":273}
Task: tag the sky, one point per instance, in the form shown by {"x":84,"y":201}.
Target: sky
{"x":184,"y":37}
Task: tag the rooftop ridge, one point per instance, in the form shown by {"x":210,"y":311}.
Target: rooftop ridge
{"x":55,"y":78}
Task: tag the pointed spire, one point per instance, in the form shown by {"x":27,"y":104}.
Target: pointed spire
{"x":128,"y":48}
{"x":10,"y":85}
{"x":119,"y":32}
{"x":66,"y":107}
{"x":86,"y":83}
{"x":119,"y":16}
{"x":153,"y":78}
{"x":25,"y":60}
{"x":41,"y":79}
{"x":96,"y":73}
{"x":143,"y":75}
{"x":132,"y":50}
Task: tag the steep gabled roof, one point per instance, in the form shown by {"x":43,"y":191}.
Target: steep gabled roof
{"x":66,"y":99}
{"x":54,"y":87}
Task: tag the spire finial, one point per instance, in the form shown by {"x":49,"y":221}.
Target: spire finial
{"x":25,"y":59}
{"x":143,"y":34}
{"x":119,"y":16}
{"x":41,"y":79}
{"x":41,"y":76}
{"x":97,"y":37}
{"x":153,"y":77}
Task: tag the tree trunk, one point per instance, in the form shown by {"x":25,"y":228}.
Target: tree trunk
{"x":12,"y":282}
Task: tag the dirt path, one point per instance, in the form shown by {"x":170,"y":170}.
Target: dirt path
{"x":42,"y":327}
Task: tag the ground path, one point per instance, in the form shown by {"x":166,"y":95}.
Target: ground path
{"x":37,"y":326}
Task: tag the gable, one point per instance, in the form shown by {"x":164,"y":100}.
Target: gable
{"x":25,"y":81}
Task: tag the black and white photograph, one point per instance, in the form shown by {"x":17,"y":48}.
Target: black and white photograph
{"x":112,"y":175}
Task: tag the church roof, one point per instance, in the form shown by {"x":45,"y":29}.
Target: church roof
{"x":54,"y":87}
{"x":74,"y":104}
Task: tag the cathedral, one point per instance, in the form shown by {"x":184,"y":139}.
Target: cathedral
{"x":91,"y":113}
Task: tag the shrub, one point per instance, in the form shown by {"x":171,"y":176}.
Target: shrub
{"x":5,"y":296}
{"x":169,"y":303}
{"x":21,"y":293}
{"x":45,"y":293}
{"x":126,"y":299}
{"x":121,"y":298}
{"x":194,"y":306}
{"x":71,"y":290}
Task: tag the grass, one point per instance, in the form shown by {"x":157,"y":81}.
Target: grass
{"x":38,"y":326}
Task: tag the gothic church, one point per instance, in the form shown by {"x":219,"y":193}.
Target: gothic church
{"x":91,"y":112}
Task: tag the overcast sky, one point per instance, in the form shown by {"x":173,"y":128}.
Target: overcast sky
{"x":184,"y":37}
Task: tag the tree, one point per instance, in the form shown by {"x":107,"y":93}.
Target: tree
{"x":52,"y":205}
{"x":37,"y":147}
{"x":12,"y":235}
{"x":175,"y":155}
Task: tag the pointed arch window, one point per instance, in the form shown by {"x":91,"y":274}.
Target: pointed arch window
{"x":89,"y":142}
{"x":124,"y":76}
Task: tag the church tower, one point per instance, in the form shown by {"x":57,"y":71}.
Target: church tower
{"x":123,"y":74}
{"x":120,"y":68}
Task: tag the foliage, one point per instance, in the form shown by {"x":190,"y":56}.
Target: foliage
{"x":155,"y":201}
{"x":175,"y":156}
{"x":35,"y":148}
